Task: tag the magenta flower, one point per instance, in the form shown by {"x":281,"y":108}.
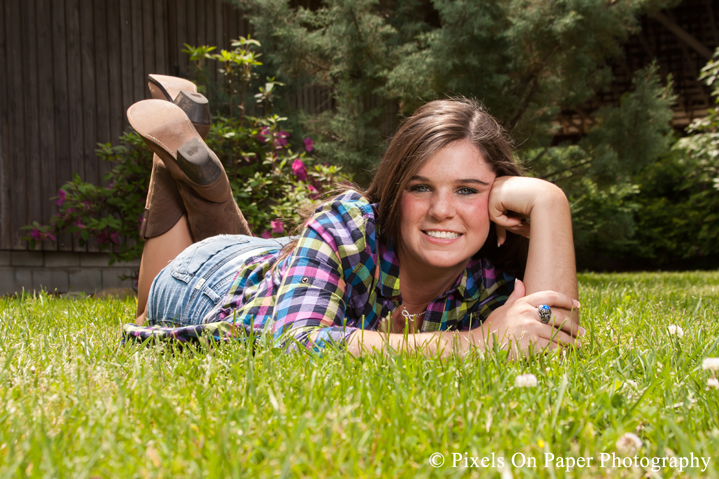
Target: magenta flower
{"x":263,"y":134}
{"x":79,"y":224}
{"x":313,"y":192}
{"x":266,"y":234}
{"x":309,"y":144}
{"x":49,"y":237}
{"x":299,"y":170}
{"x":278,"y":226}
{"x":61,"y":195}
{"x":281,"y":140}
{"x":115,"y":237}
{"x":36,"y":234}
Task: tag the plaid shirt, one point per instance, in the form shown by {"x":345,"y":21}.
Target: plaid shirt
{"x":339,"y":279}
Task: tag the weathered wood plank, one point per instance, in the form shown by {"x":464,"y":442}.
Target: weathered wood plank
{"x":31,"y":83}
{"x":5,"y":173}
{"x":139,"y":74}
{"x":102,"y":82}
{"x":160,"y":34}
{"x":16,"y":118}
{"x":148,"y":38}
{"x":89,"y":85}
{"x":221,"y":38}
{"x":181,"y":37}
{"x":191,"y":11}
{"x":172,"y":51}
{"x":74,"y":94}
{"x":127,"y":74}
{"x":63,"y":168}
{"x":46,"y":113}
{"x":115,"y":72}
{"x":89,"y":99}
{"x":201,"y":22}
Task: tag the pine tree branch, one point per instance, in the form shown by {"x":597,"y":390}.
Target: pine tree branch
{"x":570,"y":167}
{"x":534,"y":81}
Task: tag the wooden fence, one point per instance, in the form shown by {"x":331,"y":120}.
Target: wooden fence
{"x":69,"y":69}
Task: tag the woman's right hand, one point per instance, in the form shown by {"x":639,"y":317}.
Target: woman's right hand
{"x":517,"y":326}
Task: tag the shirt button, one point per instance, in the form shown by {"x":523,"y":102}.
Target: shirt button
{"x":305,"y":280}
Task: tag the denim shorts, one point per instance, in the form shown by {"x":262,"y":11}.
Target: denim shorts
{"x":192,"y":284}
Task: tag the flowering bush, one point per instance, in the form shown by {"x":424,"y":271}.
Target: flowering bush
{"x":270,"y":180}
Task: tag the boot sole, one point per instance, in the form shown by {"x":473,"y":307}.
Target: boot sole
{"x":165,"y":128}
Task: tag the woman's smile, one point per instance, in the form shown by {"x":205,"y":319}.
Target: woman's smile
{"x":445,"y":219}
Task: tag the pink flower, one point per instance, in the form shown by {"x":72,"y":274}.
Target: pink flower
{"x":281,"y":140}
{"x":263,"y":134}
{"x":299,"y":170}
{"x":79,"y":224}
{"x":115,"y":237}
{"x":61,"y":195}
{"x":313,"y":192}
{"x":38,"y":235}
{"x":266,"y":234}
{"x":278,"y":226}
{"x":309,"y":144}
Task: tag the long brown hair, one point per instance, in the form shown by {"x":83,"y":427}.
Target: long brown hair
{"x":431,"y":128}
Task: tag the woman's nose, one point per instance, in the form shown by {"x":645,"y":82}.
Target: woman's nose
{"x":442,"y":206}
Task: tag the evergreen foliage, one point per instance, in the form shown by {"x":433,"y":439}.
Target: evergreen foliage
{"x":526,"y":60}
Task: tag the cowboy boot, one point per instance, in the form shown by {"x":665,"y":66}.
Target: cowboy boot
{"x":201,"y":178}
{"x":164,"y":206}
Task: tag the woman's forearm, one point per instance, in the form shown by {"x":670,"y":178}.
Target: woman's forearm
{"x":443,"y":343}
{"x":551,"y":261}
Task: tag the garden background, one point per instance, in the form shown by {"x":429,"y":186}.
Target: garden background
{"x":597,"y":95}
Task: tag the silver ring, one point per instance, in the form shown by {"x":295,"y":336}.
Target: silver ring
{"x":545,"y":313}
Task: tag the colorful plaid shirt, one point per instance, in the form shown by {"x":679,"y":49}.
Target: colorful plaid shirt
{"x":340,"y":278}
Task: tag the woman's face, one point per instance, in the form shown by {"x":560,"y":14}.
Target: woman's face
{"x":445,"y":216}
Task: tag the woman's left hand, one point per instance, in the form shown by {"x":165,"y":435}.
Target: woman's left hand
{"x":514,"y":198}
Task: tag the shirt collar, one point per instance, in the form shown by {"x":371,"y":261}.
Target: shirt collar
{"x":466,"y":286}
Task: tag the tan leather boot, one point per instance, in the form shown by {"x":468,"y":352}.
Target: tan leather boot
{"x":201,"y":178}
{"x":164,"y":206}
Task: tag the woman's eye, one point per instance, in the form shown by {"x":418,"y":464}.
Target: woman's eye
{"x":419,"y":188}
{"x":467,"y":191}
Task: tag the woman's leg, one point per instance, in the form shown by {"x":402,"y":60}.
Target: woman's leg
{"x":159,"y":251}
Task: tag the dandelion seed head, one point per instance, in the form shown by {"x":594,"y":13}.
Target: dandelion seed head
{"x":526,"y":381}
{"x":629,"y":443}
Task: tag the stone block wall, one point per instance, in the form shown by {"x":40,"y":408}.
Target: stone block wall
{"x":61,"y":272}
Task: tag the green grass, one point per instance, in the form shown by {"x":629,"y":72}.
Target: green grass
{"x":78,"y":404}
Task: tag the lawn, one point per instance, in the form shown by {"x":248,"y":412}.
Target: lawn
{"x":78,"y":404}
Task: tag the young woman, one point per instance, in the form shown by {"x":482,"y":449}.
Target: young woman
{"x":432,"y":257}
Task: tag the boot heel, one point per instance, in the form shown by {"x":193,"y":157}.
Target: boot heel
{"x":197,"y":109}
{"x":164,"y":87}
{"x":198,"y":163}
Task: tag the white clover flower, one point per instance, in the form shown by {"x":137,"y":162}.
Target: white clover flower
{"x":631,"y":384}
{"x":711,"y":364}
{"x":712,"y":383}
{"x":629,"y":443}
{"x":675,"y":330}
{"x":525,"y":381}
